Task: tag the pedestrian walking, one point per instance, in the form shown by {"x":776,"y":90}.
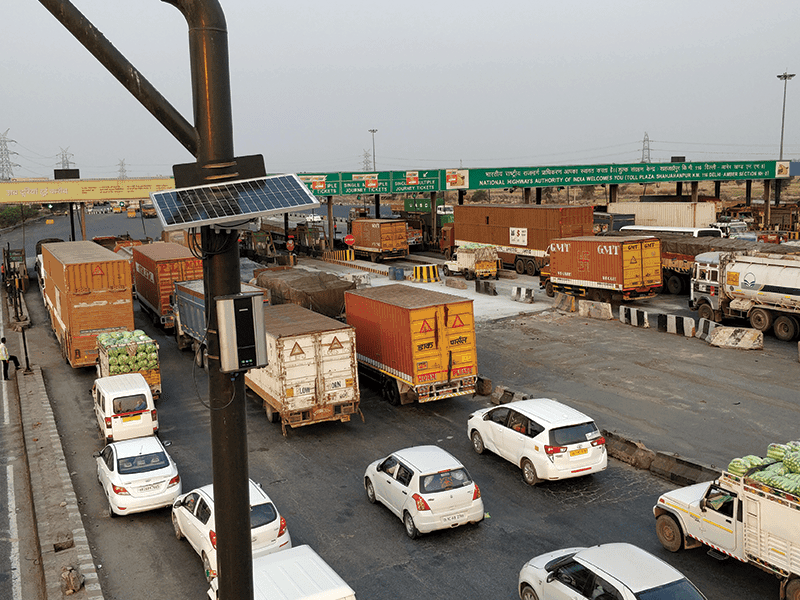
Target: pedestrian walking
{"x":6,"y":356}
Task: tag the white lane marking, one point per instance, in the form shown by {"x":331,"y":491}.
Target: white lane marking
{"x":16,"y":581}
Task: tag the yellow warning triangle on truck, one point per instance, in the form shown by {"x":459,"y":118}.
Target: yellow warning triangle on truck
{"x":98,"y":271}
{"x":633,"y":260}
{"x":425,"y":327}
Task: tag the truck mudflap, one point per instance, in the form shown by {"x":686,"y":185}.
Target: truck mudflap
{"x":444,"y":389}
{"x":331,"y":412}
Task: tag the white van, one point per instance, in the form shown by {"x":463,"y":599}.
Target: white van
{"x":295,"y":574}
{"x":124,"y":407}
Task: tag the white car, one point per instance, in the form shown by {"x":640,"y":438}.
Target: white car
{"x":426,"y":487}
{"x":193,"y":518}
{"x":137,"y":475}
{"x":546,"y":439}
{"x":606,"y":572}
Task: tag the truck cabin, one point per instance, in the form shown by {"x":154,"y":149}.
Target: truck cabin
{"x":706,"y":267}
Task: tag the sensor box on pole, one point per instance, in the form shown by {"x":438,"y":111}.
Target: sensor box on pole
{"x":242,"y":341}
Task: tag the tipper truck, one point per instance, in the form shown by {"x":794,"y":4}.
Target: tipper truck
{"x":189,"y":310}
{"x":599,"y":267}
{"x":521,"y":233}
{"x":312,"y":373}
{"x":474,"y":261}
{"x":748,"y":515}
{"x":418,"y":344}
{"x":87,"y":291}
{"x":379,"y":239}
{"x":158,"y":266}
{"x":763,"y":288}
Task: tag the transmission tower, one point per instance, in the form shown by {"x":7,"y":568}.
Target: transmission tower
{"x":65,"y":158}
{"x":5,"y":158}
{"x":122,"y":173}
{"x":646,"y":148}
{"x":366,"y":160}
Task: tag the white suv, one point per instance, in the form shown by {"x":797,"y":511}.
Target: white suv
{"x":546,"y":439}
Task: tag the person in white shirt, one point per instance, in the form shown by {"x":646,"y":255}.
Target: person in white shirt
{"x":6,"y":356}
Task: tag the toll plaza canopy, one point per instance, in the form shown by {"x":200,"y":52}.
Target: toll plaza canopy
{"x":433,"y":180}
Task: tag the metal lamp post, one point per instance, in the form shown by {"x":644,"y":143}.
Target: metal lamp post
{"x":374,"y":131}
{"x":785,"y":77}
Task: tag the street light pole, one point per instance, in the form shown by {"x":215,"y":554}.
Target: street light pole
{"x":374,"y":131}
{"x":785,"y":77}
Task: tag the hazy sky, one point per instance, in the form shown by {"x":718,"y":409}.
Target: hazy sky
{"x":445,"y":83}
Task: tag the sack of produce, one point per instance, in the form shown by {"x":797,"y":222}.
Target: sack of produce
{"x":777,"y":451}
{"x":738,"y":466}
{"x":792,"y":462}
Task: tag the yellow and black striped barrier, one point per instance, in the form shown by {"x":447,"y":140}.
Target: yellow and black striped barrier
{"x":426,"y":274}
{"x":340,"y":255}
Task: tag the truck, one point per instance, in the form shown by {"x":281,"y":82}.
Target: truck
{"x":157,"y":267}
{"x":379,"y":239}
{"x":149,"y":210}
{"x":739,"y":516}
{"x":419,"y":345}
{"x":762,"y":288}
{"x":474,"y":261}
{"x":521,"y":232}
{"x":312,"y":373}
{"x":599,"y":267}
{"x":667,"y":214}
{"x":87,"y":291}
{"x":188,"y":304}
{"x":129,"y":352}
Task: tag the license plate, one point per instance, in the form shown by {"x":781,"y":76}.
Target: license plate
{"x":451,"y":518}
{"x":130,"y":418}
{"x":148,"y":488}
{"x":578,"y":452}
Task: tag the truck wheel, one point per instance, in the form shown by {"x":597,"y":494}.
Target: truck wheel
{"x":519,"y":266}
{"x":674,"y":284}
{"x":447,"y":253}
{"x":446,"y":271}
{"x":272,"y":414}
{"x":704,"y":311}
{"x":760,"y":319}
{"x":669,"y":533}
{"x":530,"y":268}
{"x":785,"y":328}
{"x":793,"y":589}
{"x":469,"y":275}
{"x":390,"y":392}
{"x":548,"y":289}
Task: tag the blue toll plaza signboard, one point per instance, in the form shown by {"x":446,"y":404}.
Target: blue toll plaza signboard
{"x":435,"y":180}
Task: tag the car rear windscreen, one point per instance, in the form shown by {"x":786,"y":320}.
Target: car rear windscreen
{"x":573,"y":434}
{"x":127,"y":404}
{"x":446,"y":480}
{"x":262,"y":514}
{"x":142,"y":464}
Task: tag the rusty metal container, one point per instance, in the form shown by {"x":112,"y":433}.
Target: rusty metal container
{"x":380,"y":238}
{"x":87,"y":290}
{"x":157,"y":267}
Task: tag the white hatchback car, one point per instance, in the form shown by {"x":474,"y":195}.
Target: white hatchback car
{"x":137,"y":475}
{"x":193,"y":518}
{"x":606,"y":572}
{"x":426,"y":487}
{"x":544,"y":438}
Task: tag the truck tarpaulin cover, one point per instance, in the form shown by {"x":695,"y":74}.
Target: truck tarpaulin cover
{"x":692,"y":246}
{"x":482,"y":252}
{"x":320,"y":292}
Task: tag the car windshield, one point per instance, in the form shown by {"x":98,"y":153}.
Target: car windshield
{"x":677,"y":590}
{"x":126,"y":404}
{"x":574,"y":434}
{"x":262,"y":514}
{"x":142,"y":464}
{"x":445,"y":480}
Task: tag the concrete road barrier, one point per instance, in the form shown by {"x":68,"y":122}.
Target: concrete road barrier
{"x":522,"y":294}
{"x":595,"y":310}
{"x":565,"y":302}
{"x":737,"y":337}
{"x":456,"y":283}
{"x":663,"y":322}
{"x":704,"y":329}
{"x":426,"y":273}
{"x":634,"y":316}
{"x":485,"y":287}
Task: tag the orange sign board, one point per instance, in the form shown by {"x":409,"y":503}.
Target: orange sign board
{"x":82,"y":190}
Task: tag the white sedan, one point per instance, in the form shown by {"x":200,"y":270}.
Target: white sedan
{"x":193,"y":518}
{"x":606,"y":572}
{"x":426,"y":487}
{"x":137,"y":475}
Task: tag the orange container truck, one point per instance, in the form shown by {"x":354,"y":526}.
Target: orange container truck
{"x":87,"y":291}
{"x":378,"y":239}
{"x":157,"y":267}
{"x":418,"y":344}
{"x":598,"y":267}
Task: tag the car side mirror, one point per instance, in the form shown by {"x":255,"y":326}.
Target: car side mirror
{"x":167,"y":443}
{"x":177,"y":504}
{"x":96,"y":454}
{"x":487,"y":417}
{"x":703,"y":505}
{"x":551,"y":577}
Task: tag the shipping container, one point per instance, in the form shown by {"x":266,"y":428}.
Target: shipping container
{"x":419,"y":344}
{"x":87,"y":290}
{"x":158,"y":267}
{"x":379,"y":239}
{"x":667,"y":214}
{"x":189,"y":310}
{"x":522,"y":233}
{"x":597,"y":267}
{"x":311,"y":375}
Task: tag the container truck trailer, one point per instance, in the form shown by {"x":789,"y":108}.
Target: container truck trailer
{"x":379,"y":239}
{"x":418,"y":344}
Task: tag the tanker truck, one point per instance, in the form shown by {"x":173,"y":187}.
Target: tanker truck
{"x":762,"y":288}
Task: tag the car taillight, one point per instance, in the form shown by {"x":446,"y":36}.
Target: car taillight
{"x":477,"y":493}
{"x":108,"y":422}
{"x":421,"y":504}
{"x":174,"y":481}
{"x":120,"y":491}
{"x":282,"y":530}
{"x":154,"y":414}
{"x":554,"y":449}
{"x":212,"y":535}
{"x":599,"y":441}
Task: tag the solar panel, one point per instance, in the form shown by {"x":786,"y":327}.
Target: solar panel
{"x":231,"y":203}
